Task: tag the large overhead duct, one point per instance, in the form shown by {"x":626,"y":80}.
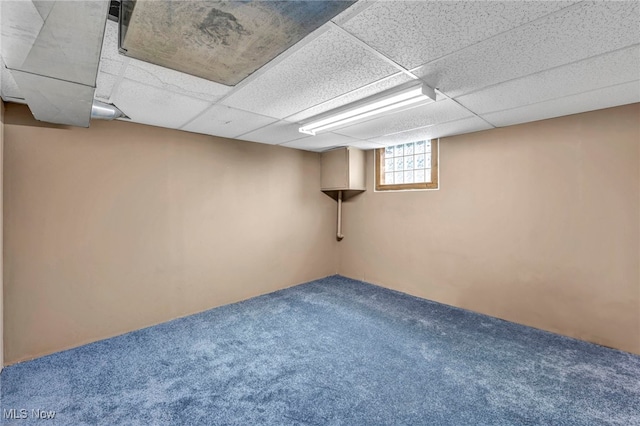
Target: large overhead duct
{"x":52,"y":49}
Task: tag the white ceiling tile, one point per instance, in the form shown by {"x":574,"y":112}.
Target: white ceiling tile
{"x":111,"y":63}
{"x":321,"y":142}
{"x":466,"y":125}
{"x":109,"y":66}
{"x":569,"y":35}
{"x":110,"y":60}
{"x":413,"y":33}
{"x":328,"y":66}
{"x":418,"y":117}
{"x":220,"y":120}
{"x":9,"y":87}
{"x":104,"y":85}
{"x":150,"y":105}
{"x":174,"y":81}
{"x":601,"y":71}
{"x":607,"y":97}
{"x":494,"y":57}
{"x":223,"y":41}
{"x":353,"y":96}
{"x":275,"y":133}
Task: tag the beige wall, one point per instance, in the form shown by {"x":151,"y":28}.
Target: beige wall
{"x":121,"y":226}
{"x":536,"y":223}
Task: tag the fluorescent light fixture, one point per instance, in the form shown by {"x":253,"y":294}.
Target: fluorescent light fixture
{"x":375,"y":105}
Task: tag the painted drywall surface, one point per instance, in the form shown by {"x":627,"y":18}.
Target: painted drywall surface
{"x":120,"y":226}
{"x":536,"y":223}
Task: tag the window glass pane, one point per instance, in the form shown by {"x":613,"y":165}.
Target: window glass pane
{"x":408,"y":163}
{"x":408,"y":148}
{"x":408,"y":177}
{"x":388,"y":164}
{"x":388,"y":178}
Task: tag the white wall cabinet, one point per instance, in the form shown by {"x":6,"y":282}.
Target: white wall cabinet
{"x":343,"y":169}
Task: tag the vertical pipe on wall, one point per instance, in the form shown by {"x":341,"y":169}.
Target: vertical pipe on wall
{"x":339,"y":234}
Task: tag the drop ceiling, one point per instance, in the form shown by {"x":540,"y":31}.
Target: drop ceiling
{"x":493,"y":64}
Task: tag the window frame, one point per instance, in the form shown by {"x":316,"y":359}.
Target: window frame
{"x":379,"y":171}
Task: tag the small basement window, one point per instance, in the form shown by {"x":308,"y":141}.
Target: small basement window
{"x":407,"y":166}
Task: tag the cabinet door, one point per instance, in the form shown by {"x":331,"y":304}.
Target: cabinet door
{"x":335,"y":169}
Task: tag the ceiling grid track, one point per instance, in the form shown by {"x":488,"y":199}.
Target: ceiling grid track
{"x":256,"y":74}
{"x":473,"y":45}
{"x":464,"y":107}
{"x":550,"y":69}
{"x":380,"y":55}
{"x":520,"y":64}
{"x":119,"y":79}
{"x":560,"y":97}
{"x":405,"y":71}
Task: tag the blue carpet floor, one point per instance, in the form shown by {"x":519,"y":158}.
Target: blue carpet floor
{"x":333,"y":351}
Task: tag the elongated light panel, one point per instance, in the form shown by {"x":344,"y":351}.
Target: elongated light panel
{"x":375,"y":106}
